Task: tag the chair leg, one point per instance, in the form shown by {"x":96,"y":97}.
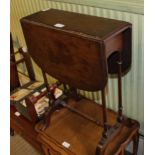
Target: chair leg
{"x":135,"y":143}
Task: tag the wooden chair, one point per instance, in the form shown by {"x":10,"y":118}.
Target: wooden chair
{"x":82,"y":57}
{"x":20,"y":124}
{"x":14,"y":76}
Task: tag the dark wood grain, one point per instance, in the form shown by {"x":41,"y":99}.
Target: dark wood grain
{"x":68,"y":53}
{"x":28,"y":64}
{"x":14,"y":80}
{"x":92,"y":26}
{"x":81,"y":54}
{"x":78,"y":49}
{"x":125,"y":50}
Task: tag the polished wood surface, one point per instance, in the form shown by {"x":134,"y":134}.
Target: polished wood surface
{"x":78,"y":49}
{"x":77,"y":62}
{"x":83,"y":135}
{"x":97,"y":27}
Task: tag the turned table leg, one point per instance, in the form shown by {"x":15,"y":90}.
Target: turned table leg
{"x":135,"y":143}
{"x":123,"y":151}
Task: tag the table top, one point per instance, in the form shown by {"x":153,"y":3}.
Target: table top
{"x":97,"y":27}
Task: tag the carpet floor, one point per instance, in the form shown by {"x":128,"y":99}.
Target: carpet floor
{"x":19,"y":146}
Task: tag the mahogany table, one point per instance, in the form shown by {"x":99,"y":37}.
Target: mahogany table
{"x":80,"y":50}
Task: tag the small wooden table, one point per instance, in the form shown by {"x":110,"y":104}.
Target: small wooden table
{"x":80,"y":50}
